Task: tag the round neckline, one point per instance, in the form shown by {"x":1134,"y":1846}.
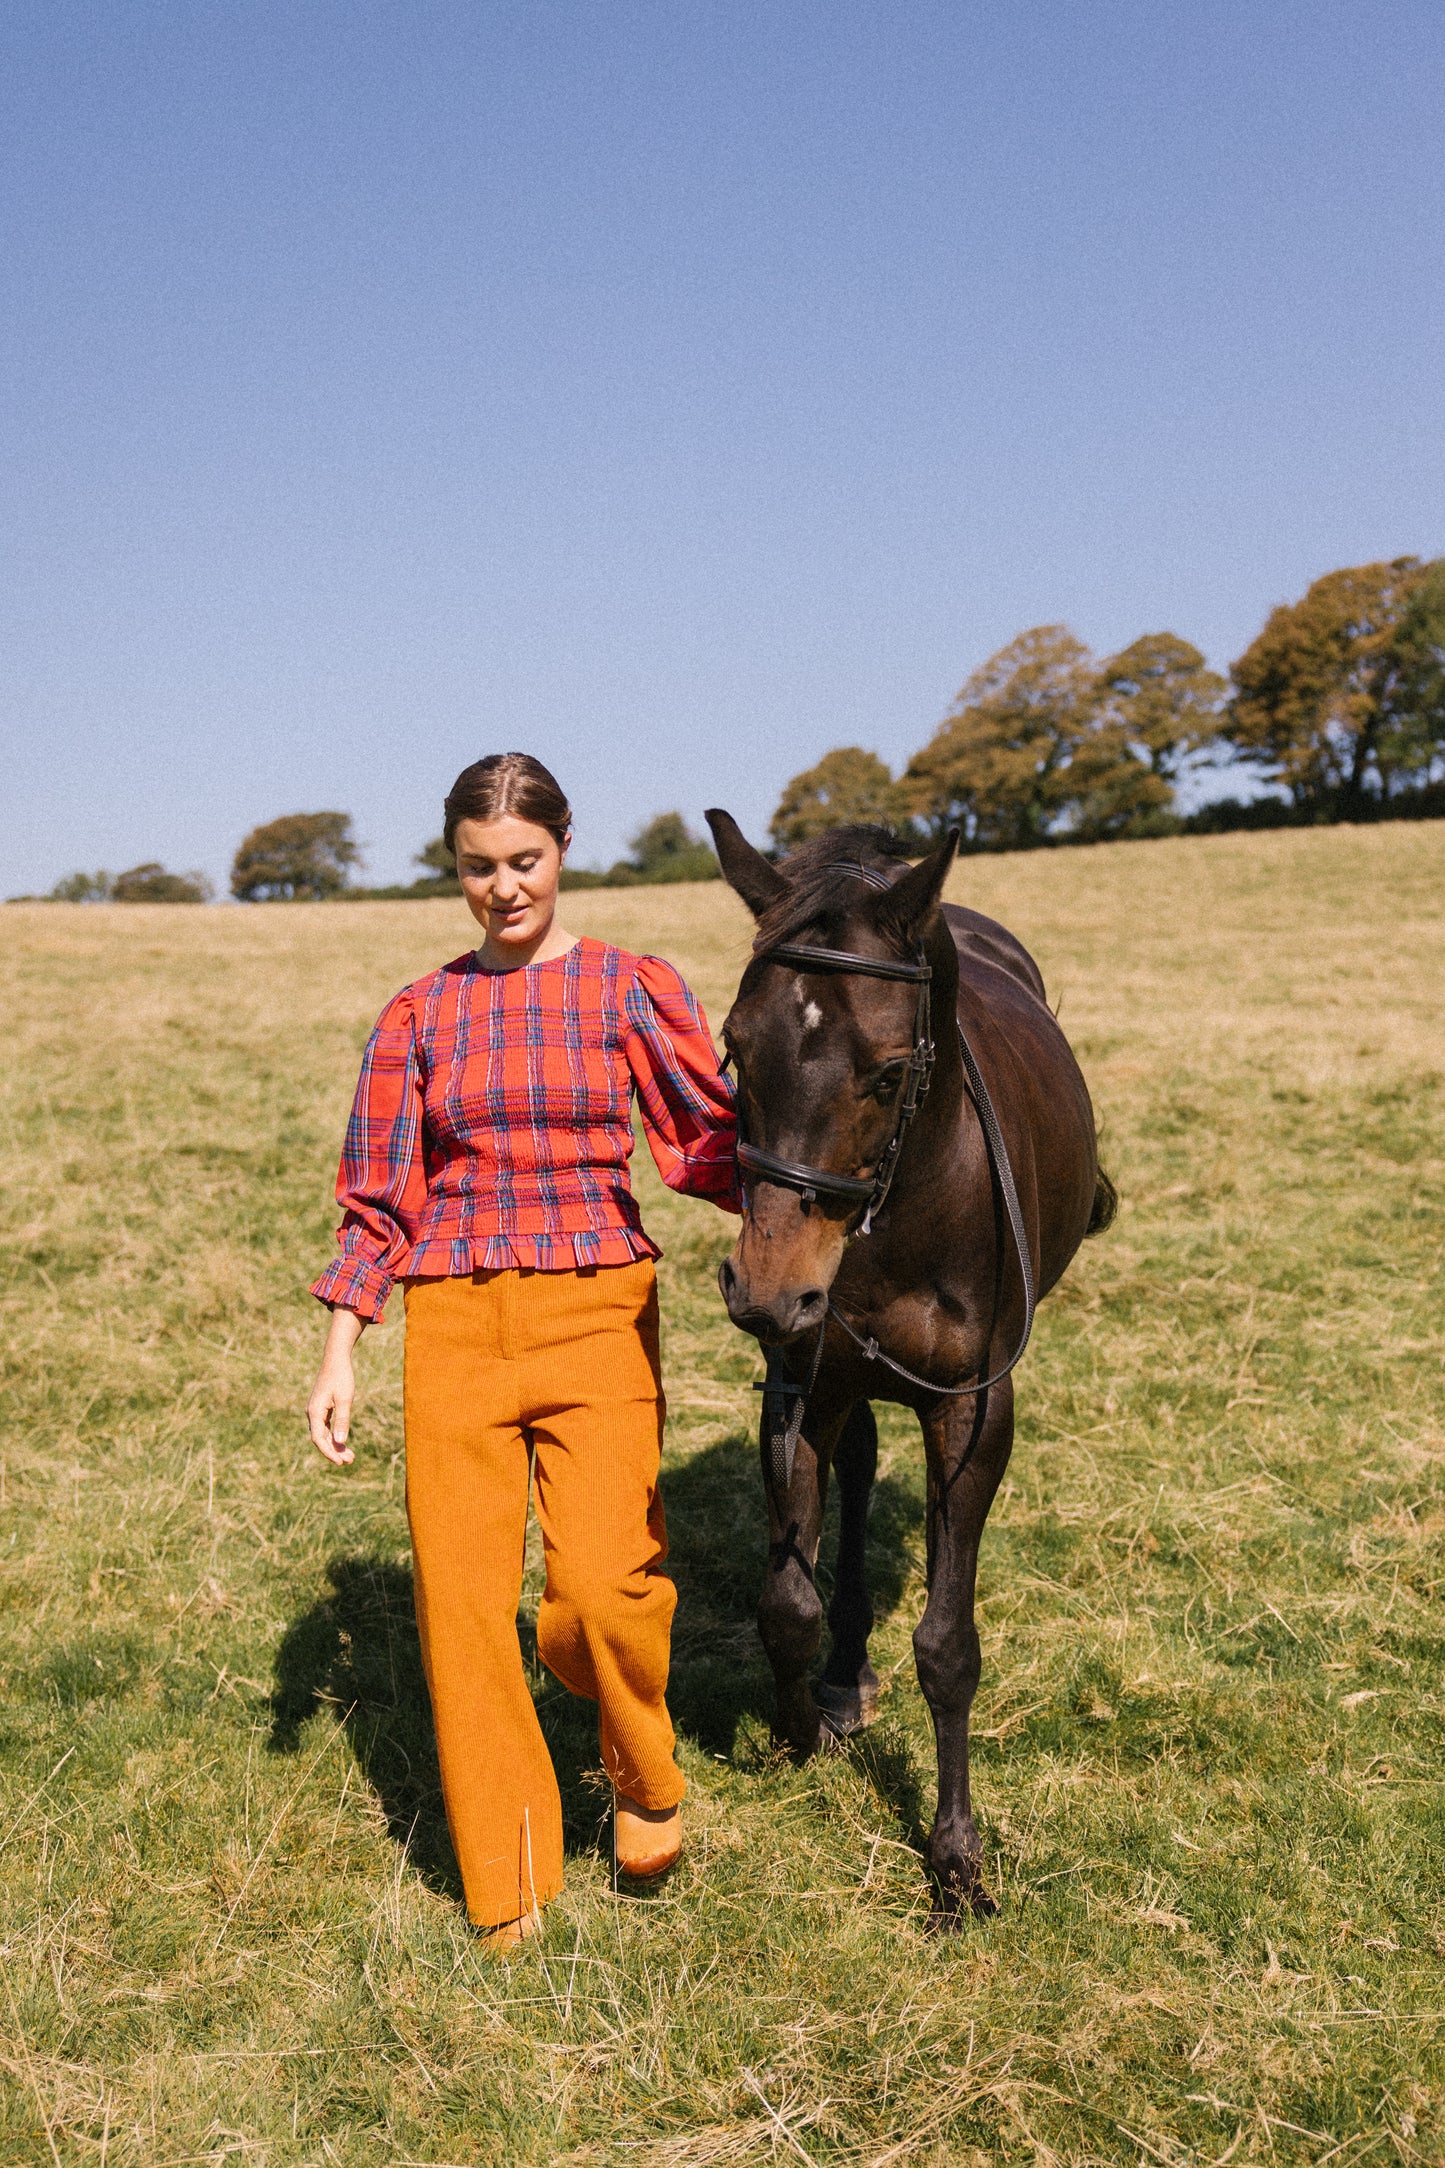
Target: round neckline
{"x":539,"y":963}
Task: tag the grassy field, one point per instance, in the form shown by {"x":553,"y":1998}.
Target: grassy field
{"x":1209,"y":1742}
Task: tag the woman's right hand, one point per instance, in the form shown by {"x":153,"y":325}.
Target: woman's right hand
{"x":328,"y":1411}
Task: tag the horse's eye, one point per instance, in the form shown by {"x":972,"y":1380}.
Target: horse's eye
{"x":885,"y":1091}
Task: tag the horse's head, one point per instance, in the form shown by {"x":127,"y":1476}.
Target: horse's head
{"x":825,"y":1057}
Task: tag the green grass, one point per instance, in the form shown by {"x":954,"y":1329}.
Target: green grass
{"x":1208,"y":1739}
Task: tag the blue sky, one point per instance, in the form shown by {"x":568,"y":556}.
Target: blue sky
{"x":673,"y":391}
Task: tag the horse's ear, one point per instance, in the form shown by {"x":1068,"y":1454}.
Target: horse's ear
{"x":744,"y":869}
{"x":909,"y":901}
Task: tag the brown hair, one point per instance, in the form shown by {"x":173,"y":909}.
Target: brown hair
{"x":505,"y":783}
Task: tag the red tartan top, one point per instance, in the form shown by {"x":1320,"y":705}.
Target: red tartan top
{"x":492,"y":1123}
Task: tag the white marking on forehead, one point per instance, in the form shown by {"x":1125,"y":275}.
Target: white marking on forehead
{"x":812,"y":1015}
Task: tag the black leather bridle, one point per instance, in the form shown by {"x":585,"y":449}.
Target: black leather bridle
{"x":866,"y":1193}
{"x":784,"y":1397}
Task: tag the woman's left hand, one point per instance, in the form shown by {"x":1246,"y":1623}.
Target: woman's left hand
{"x":328,"y":1411}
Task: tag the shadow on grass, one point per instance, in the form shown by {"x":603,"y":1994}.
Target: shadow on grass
{"x":357,"y":1651}
{"x":717,"y":1535}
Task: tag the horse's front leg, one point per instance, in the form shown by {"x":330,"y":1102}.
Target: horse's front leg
{"x":968,"y":1450}
{"x":790,"y":1611}
{"x":847,"y":1693}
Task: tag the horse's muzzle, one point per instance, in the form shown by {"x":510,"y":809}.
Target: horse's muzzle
{"x":786,"y":1314}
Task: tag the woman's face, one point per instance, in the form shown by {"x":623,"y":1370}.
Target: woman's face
{"x":509,"y":869}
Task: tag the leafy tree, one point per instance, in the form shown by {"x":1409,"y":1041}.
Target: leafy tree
{"x":1156,"y":705}
{"x":1339,"y":697}
{"x":1165,"y":700}
{"x":667,"y":850}
{"x":1416,"y":736}
{"x":997,"y":766}
{"x":83,"y":888}
{"x":301,"y":855}
{"x":1043,"y":744}
{"x":151,"y":883}
{"x":436,"y":858}
{"x":846,"y":786}
{"x":439,"y":872}
{"x":1109,"y":790}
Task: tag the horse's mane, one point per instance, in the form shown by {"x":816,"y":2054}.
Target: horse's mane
{"x":820,"y":882}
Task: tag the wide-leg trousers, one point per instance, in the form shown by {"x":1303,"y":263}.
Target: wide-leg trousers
{"x":564,"y":1364}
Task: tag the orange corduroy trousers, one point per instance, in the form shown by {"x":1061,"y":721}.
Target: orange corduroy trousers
{"x":564,"y":1364}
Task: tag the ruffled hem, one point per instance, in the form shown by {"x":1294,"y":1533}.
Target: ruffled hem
{"x":351,"y":1284}
{"x":453,"y":1259}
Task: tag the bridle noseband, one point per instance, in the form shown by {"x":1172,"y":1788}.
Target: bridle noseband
{"x":864,"y":1192}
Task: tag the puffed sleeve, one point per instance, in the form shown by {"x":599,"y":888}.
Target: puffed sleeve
{"x":687,"y":1105}
{"x":381,"y":1185}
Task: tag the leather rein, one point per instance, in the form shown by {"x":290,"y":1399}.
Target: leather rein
{"x":868,"y":1193}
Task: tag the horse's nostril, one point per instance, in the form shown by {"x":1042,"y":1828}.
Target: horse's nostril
{"x":727,"y":1279}
{"x":812,"y":1305}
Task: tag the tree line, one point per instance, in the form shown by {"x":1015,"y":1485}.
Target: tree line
{"x":148,"y":883}
{"x":1337,"y":706}
{"x":314,"y":857}
{"x":666,"y":849}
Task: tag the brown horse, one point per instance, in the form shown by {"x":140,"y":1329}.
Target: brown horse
{"x":895,"y":1231}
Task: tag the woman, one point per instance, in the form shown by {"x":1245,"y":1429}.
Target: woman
{"x":485,"y":1167}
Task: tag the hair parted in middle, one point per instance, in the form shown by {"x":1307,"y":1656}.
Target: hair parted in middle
{"x":506,"y":783}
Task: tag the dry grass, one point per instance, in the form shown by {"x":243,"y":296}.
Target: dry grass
{"x":1209,"y":1767}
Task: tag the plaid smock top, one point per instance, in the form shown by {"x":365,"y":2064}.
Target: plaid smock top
{"x":492,"y":1123}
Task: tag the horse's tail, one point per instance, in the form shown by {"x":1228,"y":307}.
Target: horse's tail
{"x":1106,"y":1204}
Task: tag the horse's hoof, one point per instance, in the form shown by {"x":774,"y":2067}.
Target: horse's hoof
{"x":802,"y":1746}
{"x":961,"y":1896}
{"x":845,"y":1709}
